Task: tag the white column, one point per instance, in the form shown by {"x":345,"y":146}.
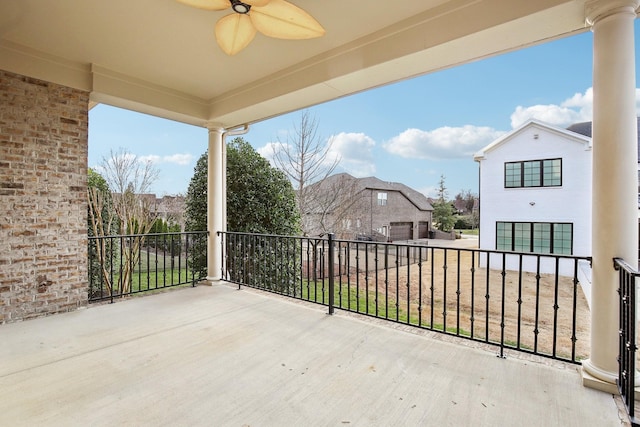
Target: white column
{"x":216,"y":202}
{"x":615,"y":151}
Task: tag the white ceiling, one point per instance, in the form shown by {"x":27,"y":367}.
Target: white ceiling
{"x":160,"y":56}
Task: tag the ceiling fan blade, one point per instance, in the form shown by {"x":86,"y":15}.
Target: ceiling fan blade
{"x":256,"y":3}
{"x":234,"y":32}
{"x":283,"y":20}
{"x":207,"y":4}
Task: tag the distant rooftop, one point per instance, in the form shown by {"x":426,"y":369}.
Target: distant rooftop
{"x":371,"y":182}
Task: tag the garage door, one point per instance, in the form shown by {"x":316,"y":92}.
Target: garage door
{"x":401,"y":231}
{"x":423,"y":230}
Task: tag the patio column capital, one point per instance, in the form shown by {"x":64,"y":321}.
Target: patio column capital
{"x":217,"y":130}
{"x":596,"y":10}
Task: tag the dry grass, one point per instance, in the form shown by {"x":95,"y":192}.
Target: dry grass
{"x":460,"y":303}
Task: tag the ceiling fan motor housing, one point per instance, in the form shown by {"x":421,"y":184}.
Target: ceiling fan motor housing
{"x":240,"y":7}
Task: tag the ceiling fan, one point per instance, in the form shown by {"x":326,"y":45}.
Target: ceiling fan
{"x":273,"y":18}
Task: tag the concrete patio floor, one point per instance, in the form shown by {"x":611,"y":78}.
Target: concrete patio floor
{"x":216,"y":356}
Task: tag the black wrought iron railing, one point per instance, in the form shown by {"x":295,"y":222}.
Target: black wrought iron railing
{"x":130,"y":264}
{"x":627,"y":278}
{"x":527,"y":302}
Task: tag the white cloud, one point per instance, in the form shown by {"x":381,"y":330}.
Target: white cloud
{"x":355,"y":151}
{"x":181,"y":159}
{"x":578,"y":108}
{"x":442,"y":143}
{"x":462,"y":142}
{"x":269,"y":150}
{"x":151,"y":158}
{"x":431,"y":191}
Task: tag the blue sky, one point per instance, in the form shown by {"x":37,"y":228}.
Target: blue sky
{"x":410,"y":132}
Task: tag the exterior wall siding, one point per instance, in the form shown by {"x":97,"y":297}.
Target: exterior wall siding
{"x":43,"y":208}
{"x":569,"y":203}
{"x":365,"y":215}
{"x":397,"y":210}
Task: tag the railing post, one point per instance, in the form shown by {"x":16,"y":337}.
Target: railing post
{"x":330,"y":259}
{"x":222,"y":254}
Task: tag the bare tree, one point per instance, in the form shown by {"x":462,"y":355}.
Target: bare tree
{"x":305,"y":159}
{"x":131,"y":213}
{"x":129,"y":180}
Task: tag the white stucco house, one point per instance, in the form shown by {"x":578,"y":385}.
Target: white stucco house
{"x":535,"y":196}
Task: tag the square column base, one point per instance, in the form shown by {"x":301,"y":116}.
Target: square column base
{"x":590,"y":381}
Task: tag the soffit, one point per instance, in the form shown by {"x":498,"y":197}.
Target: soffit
{"x":160,"y":56}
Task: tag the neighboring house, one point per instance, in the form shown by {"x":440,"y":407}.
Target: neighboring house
{"x":535,"y":195}
{"x":168,"y":208}
{"x":367,"y":209}
{"x":171,"y":209}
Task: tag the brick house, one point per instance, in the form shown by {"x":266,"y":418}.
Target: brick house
{"x":367,"y":208}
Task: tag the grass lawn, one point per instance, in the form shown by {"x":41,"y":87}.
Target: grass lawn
{"x":147,"y":281}
{"x":142,"y":281}
{"x":350,"y":298}
{"x":472,"y":232}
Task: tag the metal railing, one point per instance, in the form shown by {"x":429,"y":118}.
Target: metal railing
{"x":130,"y":264}
{"x":481,"y":295}
{"x":627,"y":276}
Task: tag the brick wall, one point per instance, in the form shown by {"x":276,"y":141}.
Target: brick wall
{"x":43,"y":209}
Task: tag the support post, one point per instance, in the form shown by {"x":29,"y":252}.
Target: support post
{"x":216,"y":201}
{"x":330,"y":270}
{"x":614,"y":203}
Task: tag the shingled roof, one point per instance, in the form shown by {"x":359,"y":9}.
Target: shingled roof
{"x":373,"y":183}
{"x":584,"y":128}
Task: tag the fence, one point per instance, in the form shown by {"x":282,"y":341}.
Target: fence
{"x":126,"y":265}
{"x":627,"y":276}
{"x":454,"y":291}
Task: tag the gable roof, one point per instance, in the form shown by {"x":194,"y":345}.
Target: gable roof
{"x":584,"y":128}
{"x":478,"y":156}
{"x":372,"y":183}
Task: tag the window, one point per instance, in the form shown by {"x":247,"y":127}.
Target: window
{"x":382,"y":199}
{"x":538,"y":237}
{"x":533,"y":173}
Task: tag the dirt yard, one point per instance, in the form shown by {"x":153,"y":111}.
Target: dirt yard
{"x":462,"y":299}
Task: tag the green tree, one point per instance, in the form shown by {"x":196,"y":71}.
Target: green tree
{"x":260,"y":199}
{"x":97,"y":184}
{"x":443,"y":215}
{"x":196,"y":216}
{"x":100,"y":221}
{"x":159,"y":226}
